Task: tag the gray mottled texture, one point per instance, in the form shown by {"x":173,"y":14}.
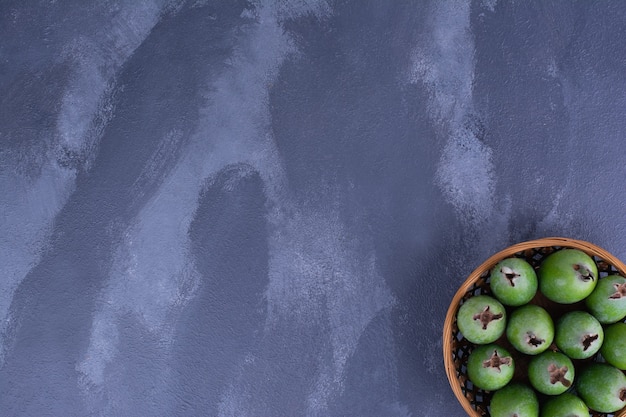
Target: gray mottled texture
{"x":263,"y":208}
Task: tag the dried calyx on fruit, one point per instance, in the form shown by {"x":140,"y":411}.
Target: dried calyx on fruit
{"x":509,"y":274}
{"x":620,"y":291}
{"x":557,"y":374}
{"x":533,"y":340}
{"x":486,"y":317}
{"x":588,"y":339}
{"x":496,"y":361}
{"x":584,"y":274}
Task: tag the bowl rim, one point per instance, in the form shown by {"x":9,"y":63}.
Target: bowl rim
{"x":447,"y":344}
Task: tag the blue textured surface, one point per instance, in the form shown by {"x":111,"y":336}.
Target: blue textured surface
{"x":263,"y":208}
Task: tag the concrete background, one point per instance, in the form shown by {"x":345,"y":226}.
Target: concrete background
{"x":263,"y":208}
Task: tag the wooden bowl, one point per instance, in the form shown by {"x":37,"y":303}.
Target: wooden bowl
{"x":456,"y":348}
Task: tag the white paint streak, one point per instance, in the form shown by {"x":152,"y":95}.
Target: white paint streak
{"x":153,"y":273}
{"x":295,"y":8}
{"x":314,"y":261}
{"x":490,"y":5}
{"x":28,"y":208}
{"x":315,"y":270}
{"x":96,"y":60}
{"x":29,"y":205}
{"x":556,"y":219}
{"x":444,"y":63}
{"x":314,"y":267}
{"x":353,"y":290}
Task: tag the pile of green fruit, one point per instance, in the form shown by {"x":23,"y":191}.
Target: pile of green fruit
{"x":573,"y":357}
